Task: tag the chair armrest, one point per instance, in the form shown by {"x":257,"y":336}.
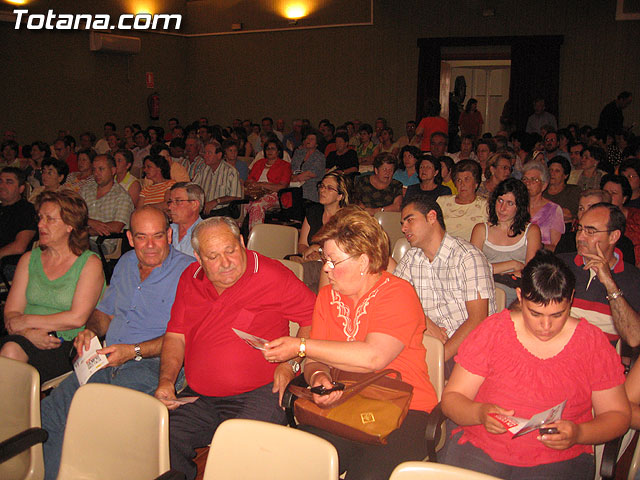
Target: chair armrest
{"x":296,"y":193}
{"x":113,"y":236}
{"x":434,"y":431}
{"x":172,"y":475}
{"x":17,"y":444}
{"x":610,"y":458}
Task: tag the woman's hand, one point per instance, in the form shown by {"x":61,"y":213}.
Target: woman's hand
{"x":566,"y":437}
{"x":325,"y":400}
{"x":14,"y":322}
{"x":312,"y":253}
{"x":281,"y":349}
{"x":491,"y":424}
{"x":83,"y":340}
{"x":41,"y":339}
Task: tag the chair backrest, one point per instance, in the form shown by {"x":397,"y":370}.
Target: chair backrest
{"x":431,"y":470}
{"x":501,"y":299}
{"x":20,"y":407}
{"x":401,"y":247}
{"x":243,"y":449}
{"x":435,"y":362}
{"x":295,"y":267}
{"x":114,"y":432}
{"x":273,"y":241}
{"x":390,"y":223}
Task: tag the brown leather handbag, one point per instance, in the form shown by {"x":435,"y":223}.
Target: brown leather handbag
{"x":371,"y":407}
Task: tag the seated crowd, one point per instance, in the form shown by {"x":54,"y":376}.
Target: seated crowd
{"x":551,"y":216}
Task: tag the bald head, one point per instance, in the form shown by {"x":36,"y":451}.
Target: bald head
{"x":150,"y":236}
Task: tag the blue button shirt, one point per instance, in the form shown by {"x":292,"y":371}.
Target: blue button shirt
{"x":141,"y":310}
{"x":184,"y":245}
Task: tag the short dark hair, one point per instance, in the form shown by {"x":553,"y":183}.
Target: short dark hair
{"x":620,"y":180}
{"x":383,"y":158}
{"x":563,"y":162}
{"x":596,"y":152}
{"x":89,"y":152}
{"x":60,"y":165}
{"x":162,"y":164}
{"x":108,"y":157}
{"x":415,"y":151}
{"x":18,"y":172}
{"x":437,"y":166}
{"x":633,"y":163}
{"x":366,"y":128}
{"x":424,"y":204}
{"x":468,"y":166}
{"x":439,"y":134}
{"x":273,"y":139}
{"x":128,"y":156}
{"x":343,"y":135}
{"x":177,"y":142}
{"x":521,"y":194}
{"x":617,"y":220}
{"x":624,"y":95}
{"x":546,"y":279}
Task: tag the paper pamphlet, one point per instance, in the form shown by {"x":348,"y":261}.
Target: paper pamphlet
{"x":521,"y":426}
{"x":178,"y":402}
{"x":255,"y":342}
{"x":90,"y":362}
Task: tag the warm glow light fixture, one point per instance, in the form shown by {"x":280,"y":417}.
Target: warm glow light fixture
{"x":294,"y":11}
{"x":142,"y":7}
{"x":17,"y":2}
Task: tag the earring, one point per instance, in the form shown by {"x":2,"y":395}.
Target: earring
{"x":362,"y":274}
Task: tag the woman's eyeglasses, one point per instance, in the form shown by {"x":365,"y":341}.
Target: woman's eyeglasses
{"x":322,"y":186}
{"x":526,"y":180}
{"x":330,"y":263}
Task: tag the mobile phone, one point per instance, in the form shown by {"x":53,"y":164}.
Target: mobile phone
{"x":548,"y":430}
{"x":321,"y":390}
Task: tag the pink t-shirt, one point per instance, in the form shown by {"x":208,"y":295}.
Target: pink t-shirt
{"x":515,"y":379}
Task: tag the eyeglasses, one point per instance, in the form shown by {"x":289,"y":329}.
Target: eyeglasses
{"x":526,"y":180}
{"x":322,"y":186}
{"x":178,"y":202}
{"x":590,"y":231}
{"x":330,"y":263}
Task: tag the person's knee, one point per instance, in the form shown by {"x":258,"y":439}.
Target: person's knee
{"x":14,"y":351}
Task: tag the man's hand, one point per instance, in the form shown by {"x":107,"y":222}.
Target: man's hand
{"x":281,"y":349}
{"x":99,"y":227}
{"x":566,"y":437}
{"x":281,"y":378}
{"x":118,"y":354}
{"x":41,"y":339}
{"x":600,"y":265}
{"x":82,"y":341}
{"x":433,"y":330}
{"x":166,"y":393}
{"x":491,"y":424}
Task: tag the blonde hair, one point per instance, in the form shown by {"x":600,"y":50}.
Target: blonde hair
{"x":357,"y":233}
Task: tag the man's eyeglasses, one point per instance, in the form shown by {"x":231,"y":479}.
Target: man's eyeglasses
{"x":330,"y":263}
{"x":590,"y":231}
{"x":178,"y":202}
{"x":322,"y":186}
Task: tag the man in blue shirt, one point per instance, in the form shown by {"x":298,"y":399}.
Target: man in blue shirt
{"x":186,"y":201}
{"x":133,"y":315}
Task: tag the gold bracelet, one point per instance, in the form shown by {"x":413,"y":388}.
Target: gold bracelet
{"x":316,"y":373}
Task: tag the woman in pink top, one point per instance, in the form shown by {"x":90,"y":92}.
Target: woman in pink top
{"x":527,"y":360}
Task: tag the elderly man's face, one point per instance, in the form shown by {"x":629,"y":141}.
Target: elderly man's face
{"x":438,"y":146}
{"x":149,"y":237}
{"x":594,"y":233}
{"x":222,"y":256}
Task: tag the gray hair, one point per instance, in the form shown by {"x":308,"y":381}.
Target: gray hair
{"x":213,"y":222}
{"x":544,"y":171}
{"x":194,"y":192}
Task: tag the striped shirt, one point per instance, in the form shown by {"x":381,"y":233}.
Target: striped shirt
{"x":153,"y":194}
{"x":459,"y":273}
{"x":224,"y":182}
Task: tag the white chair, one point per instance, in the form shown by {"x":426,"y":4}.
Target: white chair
{"x":275,"y":241}
{"x":390,"y":223}
{"x":435,"y":471}
{"x":114,"y":432}
{"x":248,"y":449}
{"x":20,"y":407}
{"x":401,"y":247}
{"x":435,"y":362}
{"x":295,"y":267}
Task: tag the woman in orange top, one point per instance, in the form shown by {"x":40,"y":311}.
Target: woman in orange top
{"x":156,"y":169}
{"x":358,"y":327}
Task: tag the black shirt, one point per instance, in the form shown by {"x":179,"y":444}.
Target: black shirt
{"x":15,"y":218}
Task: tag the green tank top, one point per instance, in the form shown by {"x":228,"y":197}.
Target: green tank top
{"x":45,"y":297}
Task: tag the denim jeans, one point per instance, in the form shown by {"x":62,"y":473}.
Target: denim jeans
{"x":141,"y":376}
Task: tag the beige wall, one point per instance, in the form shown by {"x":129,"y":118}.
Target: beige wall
{"x":52,"y":80}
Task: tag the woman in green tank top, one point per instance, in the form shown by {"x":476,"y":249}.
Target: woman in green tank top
{"x":55,"y":288}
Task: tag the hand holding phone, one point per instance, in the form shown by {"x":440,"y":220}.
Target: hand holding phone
{"x":548,"y":430}
{"x":321,"y":390}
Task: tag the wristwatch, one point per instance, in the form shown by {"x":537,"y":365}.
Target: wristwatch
{"x":302,"y":352}
{"x":136,"y":348}
{"x":294,"y":365}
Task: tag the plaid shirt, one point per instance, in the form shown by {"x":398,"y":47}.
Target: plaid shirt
{"x":459,"y":273}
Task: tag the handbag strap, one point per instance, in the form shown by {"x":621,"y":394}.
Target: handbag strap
{"x":350,"y":390}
